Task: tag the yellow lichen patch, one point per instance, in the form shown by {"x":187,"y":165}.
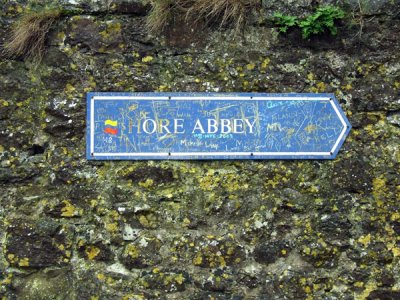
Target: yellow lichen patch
{"x":148,"y":220}
{"x":143,"y":220}
{"x":395,"y":216}
{"x":4,"y":102}
{"x":167,"y":280}
{"x":365,"y":240}
{"x":133,"y":297}
{"x":93,"y":203}
{"x":396,"y":251}
{"x":146,"y":184}
{"x":370,"y":286}
{"x":101,"y":277}
{"x":347,"y":87}
{"x":250,"y":66}
{"x":147,"y":59}
{"x":112,"y":227}
{"x":24,"y":262}
{"x":113,"y":29}
{"x":379,"y":189}
{"x":186,"y":222}
{"x":278,"y":178}
{"x":359,"y":284}
{"x":6,"y":281}
{"x":371,"y":130}
{"x":132,"y":251}
{"x":307,"y":250}
{"x":229,"y":181}
{"x":110,"y":280}
{"x":69,"y":210}
{"x":144,"y":283}
{"x":69,"y":88}
{"x":179,"y":278}
{"x":114,"y":215}
{"x":117,"y":65}
{"x":92,"y":252}
{"x":320,"y":87}
{"x":12,"y":258}
{"x":198,"y":259}
{"x":61,"y":35}
{"x":163,"y":88}
{"x":222,"y":262}
{"x":265,"y":63}
{"x":188,"y":59}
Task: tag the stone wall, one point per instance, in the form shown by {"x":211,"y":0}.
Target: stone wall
{"x":73,"y":229}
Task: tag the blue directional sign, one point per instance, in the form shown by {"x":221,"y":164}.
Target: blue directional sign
{"x":144,"y":126}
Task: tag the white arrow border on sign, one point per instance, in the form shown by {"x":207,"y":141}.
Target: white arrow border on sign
{"x":222,"y":98}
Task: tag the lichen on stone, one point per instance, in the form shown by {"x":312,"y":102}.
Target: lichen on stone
{"x":311,"y":229}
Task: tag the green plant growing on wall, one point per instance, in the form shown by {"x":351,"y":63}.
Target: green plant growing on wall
{"x":28,"y":35}
{"x":323,"y":19}
{"x":284,"y":21}
{"x":224,"y":12}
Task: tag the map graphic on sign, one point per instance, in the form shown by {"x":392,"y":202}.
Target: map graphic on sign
{"x":140,"y":126}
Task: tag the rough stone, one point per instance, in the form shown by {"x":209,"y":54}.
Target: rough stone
{"x":141,"y":254}
{"x":268,"y":252}
{"x":74,"y":229}
{"x":44,"y":285}
{"x":37,"y":245}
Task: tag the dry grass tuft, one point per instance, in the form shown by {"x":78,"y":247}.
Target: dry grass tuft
{"x":28,"y":36}
{"x":223,"y":12}
{"x":160,"y":15}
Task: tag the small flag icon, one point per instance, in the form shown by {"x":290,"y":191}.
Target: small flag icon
{"x":111,"y":123}
{"x":110,"y":130}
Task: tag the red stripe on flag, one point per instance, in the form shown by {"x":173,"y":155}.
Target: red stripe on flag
{"x":111,"y":131}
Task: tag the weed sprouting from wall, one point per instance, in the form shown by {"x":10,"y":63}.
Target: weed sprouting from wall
{"x":28,"y":35}
{"x":322,"y":20}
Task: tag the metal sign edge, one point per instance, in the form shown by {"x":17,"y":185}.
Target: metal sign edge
{"x":251,"y":156}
